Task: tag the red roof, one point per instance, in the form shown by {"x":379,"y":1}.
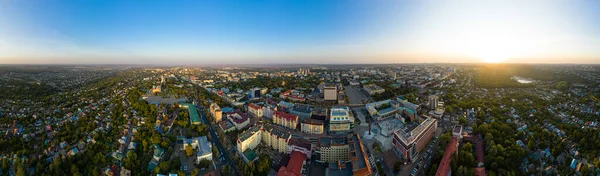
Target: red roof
{"x":444,"y":167}
{"x":294,"y":166}
{"x":279,"y":114}
{"x":253,"y":106}
{"x":480,"y":171}
{"x":243,"y":116}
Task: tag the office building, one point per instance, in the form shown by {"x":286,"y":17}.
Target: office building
{"x":330,"y":92}
{"x":408,"y":143}
{"x":340,"y":119}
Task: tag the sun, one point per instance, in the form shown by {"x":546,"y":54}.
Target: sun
{"x":493,"y":59}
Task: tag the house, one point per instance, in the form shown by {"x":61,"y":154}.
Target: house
{"x":158,"y":152}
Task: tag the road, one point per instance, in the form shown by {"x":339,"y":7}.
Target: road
{"x":217,"y":142}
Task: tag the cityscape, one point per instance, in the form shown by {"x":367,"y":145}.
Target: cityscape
{"x":159,"y":88}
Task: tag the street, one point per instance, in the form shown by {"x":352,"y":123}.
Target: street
{"x":217,"y":142}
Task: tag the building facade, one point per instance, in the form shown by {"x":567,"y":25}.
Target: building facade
{"x":408,"y":144}
{"x":312,"y":126}
{"x":340,"y":119}
{"x":216,"y":112}
{"x":286,"y":120}
{"x":330,"y":92}
{"x":255,"y":110}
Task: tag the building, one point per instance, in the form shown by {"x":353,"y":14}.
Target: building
{"x":303,"y":111}
{"x":373,"y":89}
{"x":255,"y":110}
{"x":255,"y":92}
{"x":345,"y":154}
{"x":312,"y":126}
{"x":330,"y":92}
{"x":444,"y":168}
{"x":238,"y":119}
{"x":215,"y":112}
{"x":203,"y":146}
{"x":340,"y":119}
{"x":194,"y":116}
{"x":286,"y":120}
{"x":407,"y":144}
{"x":433,"y":102}
{"x":382,"y":109}
{"x":300,"y":145}
{"x":268,"y":111}
{"x":265,"y":134}
{"x":332,"y":149}
{"x":226,"y":126}
{"x":295,"y":166}
{"x":277,"y":140}
{"x":249,"y":139}
{"x":156,"y":89}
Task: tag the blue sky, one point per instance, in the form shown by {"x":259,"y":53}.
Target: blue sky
{"x":259,"y":32}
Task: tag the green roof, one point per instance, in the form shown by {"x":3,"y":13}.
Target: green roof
{"x":250,"y":154}
{"x":194,"y":116}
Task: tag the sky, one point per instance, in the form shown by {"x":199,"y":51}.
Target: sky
{"x":180,"y":32}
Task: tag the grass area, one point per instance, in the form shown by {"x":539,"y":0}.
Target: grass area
{"x":499,"y":76}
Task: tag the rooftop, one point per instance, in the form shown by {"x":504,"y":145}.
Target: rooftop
{"x":332,"y":141}
{"x":294,"y":166}
{"x":248,"y":133}
{"x":340,"y":111}
{"x":444,"y":167}
{"x":304,"y":108}
{"x":286,"y":116}
{"x":254,"y":106}
{"x":360,"y":161}
{"x":194,"y":116}
{"x":410,"y":136}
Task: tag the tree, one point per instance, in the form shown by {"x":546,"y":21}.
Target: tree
{"x":195,"y":172}
{"x":531,"y":145}
{"x":75,"y":170}
{"x":462,"y":120}
{"x":189,"y":151}
{"x":397,"y":166}
{"x":562,"y":85}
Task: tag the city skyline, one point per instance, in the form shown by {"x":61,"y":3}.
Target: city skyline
{"x":298,"y":32}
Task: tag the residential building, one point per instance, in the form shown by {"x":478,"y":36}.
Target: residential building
{"x":269,"y":136}
{"x":312,"y":126}
{"x":215,"y":112}
{"x":255,"y":110}
{"x":268,"y":111}
{"x":408,"y":143}
{"x":303,"y":111}
{"x":275,"y":139}
{"x":330,"y":92}
{"x":286,"y":120}
{"x":238,"y":119}
{"x":249,"y":139}
{"x":340,"y":119}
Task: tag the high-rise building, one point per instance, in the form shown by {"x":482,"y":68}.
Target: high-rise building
{"x":330,"y":92}
{"x":433,"y":102}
